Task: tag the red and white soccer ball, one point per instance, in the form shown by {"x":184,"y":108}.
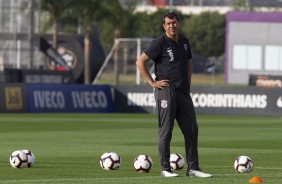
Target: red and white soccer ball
{"x":110,"y":161}
{"x":30,"y":158}
{"x":18,"y":159}
{"x":243,"y":164}
{"x":143,"y":163}
{"x":177,"y":161}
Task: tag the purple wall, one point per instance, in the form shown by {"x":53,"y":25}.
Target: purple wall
{"x":273,"y":17}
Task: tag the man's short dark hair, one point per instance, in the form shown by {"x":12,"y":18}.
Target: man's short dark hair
{"x":170,"y":15}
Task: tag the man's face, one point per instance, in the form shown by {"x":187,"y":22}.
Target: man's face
{"x":171,"y":26}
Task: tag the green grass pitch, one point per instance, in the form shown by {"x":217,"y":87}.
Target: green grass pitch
{"x":68,"y":148}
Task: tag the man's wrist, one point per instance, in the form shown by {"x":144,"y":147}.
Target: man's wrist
{"x":152,"y":83}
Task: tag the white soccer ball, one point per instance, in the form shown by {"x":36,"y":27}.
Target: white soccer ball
{"x":243,"y":164}
{"x":18,"y":159}
{"x":143,"y":163}
{"x":110,"y":161}
{"x":177,"y":161}
{"x":30,"y":158}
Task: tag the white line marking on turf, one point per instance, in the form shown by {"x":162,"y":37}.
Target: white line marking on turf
{"x":269,"y":168}
{"x":72,"y":119}
{"x":101,"y":179}
{"x":75,"y":179}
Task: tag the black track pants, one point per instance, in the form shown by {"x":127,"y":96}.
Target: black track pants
{"x":171,"y":105}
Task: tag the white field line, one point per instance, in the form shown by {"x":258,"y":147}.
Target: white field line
{"x":74,"y":179}
{"x":108,"y":179}
{"x":94,"y":119}
{"x":103,"y":119}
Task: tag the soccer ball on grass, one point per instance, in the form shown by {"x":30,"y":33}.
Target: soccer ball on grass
{"x":243,"y":164}
{"x":110,"y":161}
{"x":143,"y":163}
{"x":177,"y":161}
{"x":18,"y":159}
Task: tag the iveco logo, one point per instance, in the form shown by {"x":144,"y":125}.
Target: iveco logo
{"x":279,"y":102}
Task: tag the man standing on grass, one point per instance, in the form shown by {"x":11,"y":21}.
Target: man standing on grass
{"x":172,"y":56}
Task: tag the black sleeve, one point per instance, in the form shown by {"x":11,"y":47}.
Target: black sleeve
{"x":189,"y":49}
{"x":154,"y":50}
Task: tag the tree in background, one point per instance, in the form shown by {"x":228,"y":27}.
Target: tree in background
{"x":56,"y":9}
{"x":207,"y":33}
{"x":88,"y":13}
{"x":120,"y":22}
{"x":91,"y":13}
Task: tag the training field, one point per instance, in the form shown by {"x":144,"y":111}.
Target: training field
{"x":68,"y":148}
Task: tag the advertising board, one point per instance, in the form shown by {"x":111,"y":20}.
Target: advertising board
{"x":207,"y":100}
{"x":70,"y":98}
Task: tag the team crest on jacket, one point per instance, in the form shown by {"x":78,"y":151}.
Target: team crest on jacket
{"x":164,"y":104}
{"x":186,"y":46}
{"x":170,"y":53}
